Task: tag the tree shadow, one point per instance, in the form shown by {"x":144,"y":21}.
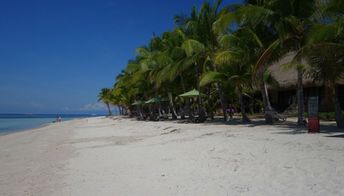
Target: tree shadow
{"x":336,"y":136}
{"x":285,"y":127}
{"x":291,"y":128}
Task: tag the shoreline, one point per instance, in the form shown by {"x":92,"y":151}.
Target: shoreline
{"x":24,"y":130}
{"x":39,"y":126}
{"x":123,"y":156}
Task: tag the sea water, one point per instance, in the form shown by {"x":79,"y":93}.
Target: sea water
{"x":10,"y":123}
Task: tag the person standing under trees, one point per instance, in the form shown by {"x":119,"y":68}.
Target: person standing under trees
{"x":230,"y":111}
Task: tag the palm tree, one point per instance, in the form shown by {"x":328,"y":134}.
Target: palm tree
{"x":233,"y":66}
{"x":327,"y":65}
{"x":240,"y":82}
{"x":105,"y":97}
{"x":206,"y":48}
{"x":201,"y":45}
{"x":324,"y":51}
{"x":290,"y":20}
{"x":257,"y":40}
{"x":171,"y":68}
{"x":293,"y":31}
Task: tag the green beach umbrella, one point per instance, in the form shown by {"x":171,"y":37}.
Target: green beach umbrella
{"x":156,"y":100}
{"x":192,"y":93}
{"x":138,"y":103}
{"x":153,"y":100}
{"x":163,"y":99}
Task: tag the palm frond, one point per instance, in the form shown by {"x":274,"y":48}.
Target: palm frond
{"x":252,"y":15}
{"x":192,"y":47}
{"x":326,"y":62}
{"x":264,"y":58}
{"x":211,"y":77}
{"x":224,"y":57}
{"x":223,"y":22}
{"x":269,"y":79}
{"x":323,"y":33}
{"x":255,"y":36}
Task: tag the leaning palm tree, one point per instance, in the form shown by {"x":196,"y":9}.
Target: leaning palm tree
{"x":105,"y":97}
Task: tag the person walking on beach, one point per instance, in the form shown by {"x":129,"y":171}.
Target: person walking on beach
{"x":58,"y":118}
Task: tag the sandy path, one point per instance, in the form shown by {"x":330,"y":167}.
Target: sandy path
{"x":101,"y":156}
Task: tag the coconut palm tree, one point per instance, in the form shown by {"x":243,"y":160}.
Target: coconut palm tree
{"x":327,"y":65}
{"x":226,"y":46}
{"x":233,"y":66}
{"x":259,"y":39}
{"x":201,"y":45}
{"x":105,"y":97}
{"x":289,"y":21}
{"x":170,"y":70}
{"x":324,"y":51}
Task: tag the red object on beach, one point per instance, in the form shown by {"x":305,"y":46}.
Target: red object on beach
{"x":313,"y":125}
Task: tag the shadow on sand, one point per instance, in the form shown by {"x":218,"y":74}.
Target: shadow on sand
{"x":287,"y":127}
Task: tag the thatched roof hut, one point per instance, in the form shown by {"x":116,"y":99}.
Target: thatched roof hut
{"x":287,"y":78}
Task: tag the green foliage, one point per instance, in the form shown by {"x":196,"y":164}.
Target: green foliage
{"x":324,"y":33}
{"x":326,"y":62}
{"x":211,"y":77}
{"x":269,"y":79}
{"x":192,"y":47}
{"x":225,"y":20}
{"x":233,"y":45}
{"x":105,"y":95}
{"x":224,"y":57}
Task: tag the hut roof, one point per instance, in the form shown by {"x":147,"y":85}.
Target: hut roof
{"x":287,"y":78}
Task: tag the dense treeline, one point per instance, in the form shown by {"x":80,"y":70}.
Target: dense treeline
{"x":224,"y":51}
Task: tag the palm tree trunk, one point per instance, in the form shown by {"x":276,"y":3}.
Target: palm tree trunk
{"x":140,"y":112}
{"x":119,"y":110}
{"x":159,"y":110}
{"x":109,"y":110}
{"x":338,"y":109}
{"x":186,"y":102}
{"x":174,"y":113}
{"x":151,"y":112}
{"x":268,"y":113}
{"x":245,"y":119}
{"x":300,"y":101}
{"x":182,"y":83}
{"x":222,"y":100}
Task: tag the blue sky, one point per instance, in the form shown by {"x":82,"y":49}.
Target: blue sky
{"x":55,"y":56}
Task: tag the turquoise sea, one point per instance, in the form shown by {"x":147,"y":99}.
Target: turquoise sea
{"x":10,"y":123}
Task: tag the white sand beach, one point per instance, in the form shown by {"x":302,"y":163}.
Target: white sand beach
{"x":121,"y":156}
